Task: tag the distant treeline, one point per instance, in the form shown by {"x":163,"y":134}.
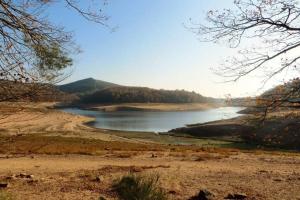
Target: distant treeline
{"x":91,"y":91}
{"x":32,"y":92}
{"x":124,"y":94}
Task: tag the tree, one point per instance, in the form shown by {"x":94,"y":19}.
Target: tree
{"x":273,"y":25}
{"x":32,"y":49}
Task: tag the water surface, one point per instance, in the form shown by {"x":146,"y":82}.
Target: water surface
{"x":153,"y":121}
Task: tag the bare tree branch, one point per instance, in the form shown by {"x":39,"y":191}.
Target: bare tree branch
{"x":273,"y":25}
{"x":34,"y":50}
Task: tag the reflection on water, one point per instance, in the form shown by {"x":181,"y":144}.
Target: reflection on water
{"x":154,"y":121}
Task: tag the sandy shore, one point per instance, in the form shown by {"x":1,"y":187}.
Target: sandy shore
{"x":153,"y":107}
{"x":33,"y":118}
{"x":64,"y":156}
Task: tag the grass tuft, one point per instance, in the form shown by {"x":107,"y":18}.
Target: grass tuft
{"x":5,"y":196}
{"x":136,"y":187}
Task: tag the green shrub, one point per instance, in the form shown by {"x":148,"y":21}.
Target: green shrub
{"x":135,"y":187}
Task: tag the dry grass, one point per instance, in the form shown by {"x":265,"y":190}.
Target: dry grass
{"x":39,"y":144}
{"x":5,"y":196}
{"x":36,"y":144}
{"x":59,"y":145}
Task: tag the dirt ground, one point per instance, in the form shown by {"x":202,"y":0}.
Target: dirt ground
{"x":47,"y":154}
{"x":182,"y":176}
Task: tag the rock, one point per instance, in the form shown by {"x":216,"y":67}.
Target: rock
{"x":236,"y":196}
{"x":101,"y":198}
{"x":3,"y":185}
{"x":24,"y":175}
{"x":12,"y":177}
{"x":99,"y":179}
{"x":203,"y":195}
{"x":263,"y":171}
{"x":31,"y":181}
{"x":173,"y":192}
{"x":153,"y":156}
{"x":29,"y":176}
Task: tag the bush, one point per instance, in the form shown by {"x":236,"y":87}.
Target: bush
{"x":135,"y":187}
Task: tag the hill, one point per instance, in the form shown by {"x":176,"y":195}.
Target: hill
{"x":85,"y":86}
{"x":288,"y":93}
{"x":282,"y":97}
{"x":124,"y":94}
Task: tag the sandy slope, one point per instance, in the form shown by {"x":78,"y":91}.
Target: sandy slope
{"x":37,"y":118}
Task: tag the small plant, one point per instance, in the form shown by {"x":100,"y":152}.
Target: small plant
{"x":136,"y":187}
{"x":5,"y":196}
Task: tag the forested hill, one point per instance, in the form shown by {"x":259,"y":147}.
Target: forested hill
{"x":124,"y":94}
{"x":85,"y":86}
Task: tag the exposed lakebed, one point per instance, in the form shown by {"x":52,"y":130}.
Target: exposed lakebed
{"x":150,"y":121}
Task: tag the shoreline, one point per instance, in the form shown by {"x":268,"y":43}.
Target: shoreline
{"x":186,"y":138}
{"x":153,"y":107}
{"x":130,"y":134}
{"x":47,"y":120}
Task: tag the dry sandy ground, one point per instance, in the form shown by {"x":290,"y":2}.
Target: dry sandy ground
{"x":261,"y":175}
{"x":265,"y":177}
{"x":30,"y":118}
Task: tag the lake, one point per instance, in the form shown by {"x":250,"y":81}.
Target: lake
{"x":150,"y":121}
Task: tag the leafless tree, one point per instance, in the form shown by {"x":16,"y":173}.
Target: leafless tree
{"x":33,"y":49}
{"x":273,"y":26}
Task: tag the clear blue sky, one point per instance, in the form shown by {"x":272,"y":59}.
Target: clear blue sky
{"x":151,"y":47}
